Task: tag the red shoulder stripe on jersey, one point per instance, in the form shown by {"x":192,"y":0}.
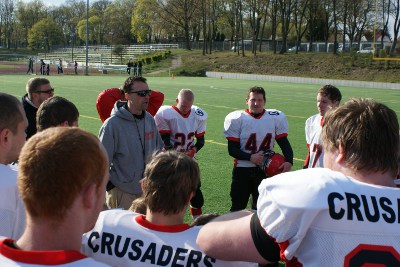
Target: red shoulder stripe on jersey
{"x":141,"y":219}
{"x":200,"y":134}
{"x":281,"y":135}
{"x":56,"y":257}
{"x":233,"y":139}
{"x":183,"y":115}
{"x":165,"y":131}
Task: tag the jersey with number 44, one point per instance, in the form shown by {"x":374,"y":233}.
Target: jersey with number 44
{"x":255,"y":134}
{"x":322,"y":218}
{"x":181,"y":128}
{"x":313,"y":138}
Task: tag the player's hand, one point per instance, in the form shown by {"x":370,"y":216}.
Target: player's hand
{"x":191,"y":152}
{"x":257,"y":158}
{"x":285,"y":167}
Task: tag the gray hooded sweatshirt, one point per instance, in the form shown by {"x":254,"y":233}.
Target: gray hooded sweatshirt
{"x":130,"y":143}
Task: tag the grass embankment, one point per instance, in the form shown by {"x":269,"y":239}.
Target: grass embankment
{"x":345,"y":66}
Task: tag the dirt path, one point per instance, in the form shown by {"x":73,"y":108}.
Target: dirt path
{"x":176,"y":62}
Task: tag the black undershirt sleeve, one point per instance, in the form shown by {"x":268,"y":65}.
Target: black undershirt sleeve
{"x":266,"y":246}
{"x":286,"y":148}
{"x":199,"y":143}
{"x":167,"y":140}
{"x":235,"y":151}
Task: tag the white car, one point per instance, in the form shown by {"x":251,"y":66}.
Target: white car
{"x":366,"y":50}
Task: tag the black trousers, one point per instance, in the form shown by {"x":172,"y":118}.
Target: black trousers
{"x":245,"y":182}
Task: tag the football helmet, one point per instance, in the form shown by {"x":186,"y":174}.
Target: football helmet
{"x":271,"y":163}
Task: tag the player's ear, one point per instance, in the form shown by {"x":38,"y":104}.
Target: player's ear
{"x":177,"y":100}
{"x":190,"y":198}
{"x":89,"y":196}
{"x":341,"y":155}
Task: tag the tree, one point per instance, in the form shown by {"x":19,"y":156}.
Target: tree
{"x":30,"y":13}
{"x":7,"y":21}
{"x":299,"y":19}
{"x":118,"y":17}
{"x":180,"y":13}
{"x":144,"y":19}
{"x":396,"y":25}
{"x":45,"y":34}
{"x":119,"y":50}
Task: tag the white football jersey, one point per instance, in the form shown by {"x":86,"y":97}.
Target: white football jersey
{"x":12,"y":257}
{"x":181,"y":128}
{"x":12,"y":209}
{"x":124,"y":238}
{"x":324,"y":218}
{"x":255,"y":134}
{"x":313,"y":138}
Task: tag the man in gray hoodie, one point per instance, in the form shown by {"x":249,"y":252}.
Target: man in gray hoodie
{"x":130,"y":137}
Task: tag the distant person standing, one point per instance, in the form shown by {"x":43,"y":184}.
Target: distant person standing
{"x":128,"y":67}
{"x":76,"y":67}
{"x":328,"y":96}
{"x":42,"y":67}
{"x":30,"y":66}
{"x":48,"y":69}
{"x":37,"y":91}
{"x":135,"y":69}
{"x":140,"y":65}
{"x":60,"y":66}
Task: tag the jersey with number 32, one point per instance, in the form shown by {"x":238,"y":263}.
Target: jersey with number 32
{"x":181,"y":128}
{"x":323,"y":218}
{"x":255,"y":134}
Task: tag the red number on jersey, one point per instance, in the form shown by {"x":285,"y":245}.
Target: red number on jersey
{"x":372,"y":255}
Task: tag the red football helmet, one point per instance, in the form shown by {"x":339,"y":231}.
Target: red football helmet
{"x":271,"y":163}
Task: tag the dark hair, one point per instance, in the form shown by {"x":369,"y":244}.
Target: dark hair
{"x":330,"y":91}
{"x":10,"y":112}
{"x":256,"y":90}
{"x":128,"y":84}
{"x":54,"y":111}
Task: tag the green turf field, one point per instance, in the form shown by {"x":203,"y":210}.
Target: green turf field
{"x":217,"y":97}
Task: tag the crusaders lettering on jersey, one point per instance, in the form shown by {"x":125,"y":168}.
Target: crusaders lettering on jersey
{"x":152,"y":253}
{"x":363,"y":208}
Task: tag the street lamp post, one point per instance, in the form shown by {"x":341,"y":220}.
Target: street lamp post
{"x":112,"y":35}
{"x":73,"y":43}
{"x":87,"y":38}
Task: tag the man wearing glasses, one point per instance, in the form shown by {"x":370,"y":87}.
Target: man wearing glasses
{"x":37,"y":91}
{"x":130,"y":137}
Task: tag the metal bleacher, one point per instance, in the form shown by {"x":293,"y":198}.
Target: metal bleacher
{"x":101,"y":57}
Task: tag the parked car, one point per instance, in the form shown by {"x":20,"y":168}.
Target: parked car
{"x":293,"y":49}
{"x":366,"y":50}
